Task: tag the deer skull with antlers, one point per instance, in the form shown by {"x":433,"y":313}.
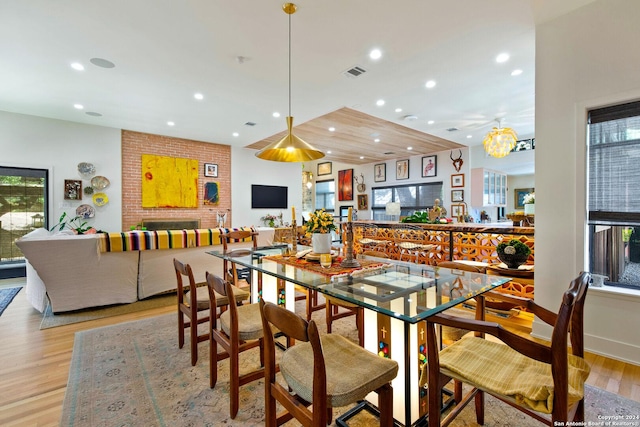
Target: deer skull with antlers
{"x":457,"y":163}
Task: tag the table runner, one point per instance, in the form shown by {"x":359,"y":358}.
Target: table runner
{"x":335,"y":270}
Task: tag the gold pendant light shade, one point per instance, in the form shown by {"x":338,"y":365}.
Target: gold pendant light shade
{"x":290,"y":148}
{"x":500,"y":141}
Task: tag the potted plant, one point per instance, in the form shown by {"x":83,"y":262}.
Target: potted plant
{"x":320,"y":225}
{"x":513,"y":253}
{"x":269,"y":220}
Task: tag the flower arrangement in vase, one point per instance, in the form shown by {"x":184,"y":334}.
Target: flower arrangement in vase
{"x":529,"y":201}
{"x":269,"y":220}
{"x":320,"y":225}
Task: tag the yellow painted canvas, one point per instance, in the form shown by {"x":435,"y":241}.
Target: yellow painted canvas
{"x":169,"y":182}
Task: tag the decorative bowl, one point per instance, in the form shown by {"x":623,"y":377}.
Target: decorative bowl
{"x":512,"y":261}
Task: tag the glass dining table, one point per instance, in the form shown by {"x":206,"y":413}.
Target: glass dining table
{"x":397,"y":296}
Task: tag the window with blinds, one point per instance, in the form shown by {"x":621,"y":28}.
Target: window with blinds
{"x":613,"y":153}
{"x":412,"y":197}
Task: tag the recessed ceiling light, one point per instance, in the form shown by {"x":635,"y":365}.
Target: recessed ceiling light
{"x":103,"y":63}
{"x":361,"y":157}
{"x":328,"y":151}
{"x":380,"y":102}
{"x":503,"y":57}
{"x":375,"y":54}
{"x":398,"y":110}
{"x":516,"y":72}
{"x":236,"y":134}
{"x":376,"y":140}
{"x":332,"y":129}
{"x":430,"y":122}
{"x":469,"y":136}
{"x":409,"y":148}
{"x":77,"y":66}
{"x":198,"y":96}
{"x":171,"y":123}
{"x":78,"y":106}
{"x":430,"y":84}
{"x":276,"y":114}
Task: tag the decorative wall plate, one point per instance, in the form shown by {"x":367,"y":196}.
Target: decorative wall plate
{"x":86,"y":169}
{"x":85,"y":211}
{"x":100,"y":199}
{"x":99,"y":182}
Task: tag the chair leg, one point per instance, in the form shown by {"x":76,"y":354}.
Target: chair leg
{"x":180,"y":329}
{"x":213,"y":362}
{"x":479,"y":401}
{"x":385,"y":405}
{"x":193,"y":332}
{"x":234,"y":382}
{"x":457,"y":391}
{"x":329,"y":316}
{"x":270,"y":415}
{"x":360,"y":325}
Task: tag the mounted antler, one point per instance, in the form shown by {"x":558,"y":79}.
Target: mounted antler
{"x":457,"y":163}
{"x":361,"y":187}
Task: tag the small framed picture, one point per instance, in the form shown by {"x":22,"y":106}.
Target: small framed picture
{"x":457,"y":196}
{"x":429,"y":166}
{"x":457,"y":209}
{"x":324,"y":168}
{"x":211,"y":170}
{"x":457,"y":180}
{"x":402,"y":169}
{"x":380,"y":172}
{"x":363,"y":202}
{"x":72,"y":189}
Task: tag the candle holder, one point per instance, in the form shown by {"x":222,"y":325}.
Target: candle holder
{"x":294,"y":238}
{"x":349,"y":261}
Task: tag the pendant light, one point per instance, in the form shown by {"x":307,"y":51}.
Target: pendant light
{"x":290,"y":148}
{"x":500,"y":141}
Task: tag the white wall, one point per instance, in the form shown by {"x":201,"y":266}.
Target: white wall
{"x":518,"y":181}
{"x":247,"y":169}
{"x":585,"y":59}
{"x":35,"y":142}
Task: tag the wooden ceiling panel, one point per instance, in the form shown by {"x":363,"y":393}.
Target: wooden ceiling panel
{"x":354,"y":137}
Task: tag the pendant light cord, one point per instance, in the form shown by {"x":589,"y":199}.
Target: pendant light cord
{"x":289,"y":65}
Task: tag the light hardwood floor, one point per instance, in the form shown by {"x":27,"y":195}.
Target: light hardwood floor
{"x":34,"y":364}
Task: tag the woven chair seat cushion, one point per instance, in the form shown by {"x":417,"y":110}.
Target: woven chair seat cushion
{"x":249,"y":322}
{"x":341,"y":303}
{"x":352,"y":371}
{"x":454,"y":334}
{"x":497,"y":368}
{"x":202,"y":296}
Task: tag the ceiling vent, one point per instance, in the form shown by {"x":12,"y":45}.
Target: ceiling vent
{"x":410,"y":117}
{"x":388,"y":153}
{"x":356,"y":71}
{"x":250,"y":124}
{"x":452,"y":129}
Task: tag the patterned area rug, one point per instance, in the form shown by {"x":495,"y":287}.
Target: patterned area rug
{"x":51,"y":320}
{"x":133,"y":374}
{"x":6,"y":296}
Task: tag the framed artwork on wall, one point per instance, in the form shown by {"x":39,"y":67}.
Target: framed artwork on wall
{"x":457,"y":209}
{"x":72,"y":189}
{"x":402,"y":169}
{"x":211,"y":170}
{"x":457,"y":180}
{"x":429,"y":166}
{"x":345,"y":185}
{"x":324,"y":168}
{"x":380,"y":172}
{"x":457,"y":196}
{"x":363,"y":202}
{"x":518,"y":197}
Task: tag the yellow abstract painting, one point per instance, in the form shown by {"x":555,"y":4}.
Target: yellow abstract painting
{"x":169,"y":182}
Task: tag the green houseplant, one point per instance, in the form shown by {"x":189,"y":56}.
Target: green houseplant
{"x":513,"y":253}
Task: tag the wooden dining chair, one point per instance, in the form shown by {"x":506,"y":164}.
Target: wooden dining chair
{"x":238,"y":329}
{"x":333,"y":306}
{"x":411,"y":240}
{"x":320,"y":371}
{"x":193,"y":299}
{"x":533,"y":377}
{"x":238,"y":238}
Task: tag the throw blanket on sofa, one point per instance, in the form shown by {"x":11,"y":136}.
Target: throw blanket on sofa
{"x":163,"y":239}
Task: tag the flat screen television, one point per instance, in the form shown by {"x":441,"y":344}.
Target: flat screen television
{"x":269,"y":196}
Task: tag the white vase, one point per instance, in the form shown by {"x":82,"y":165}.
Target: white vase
{"x":529,"y":209}
{"x":321,"y":243}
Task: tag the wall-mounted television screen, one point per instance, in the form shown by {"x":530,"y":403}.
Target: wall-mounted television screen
{"x":268,"y":196}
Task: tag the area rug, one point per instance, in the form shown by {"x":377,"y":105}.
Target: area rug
{"x":133,"y":374}
{"x":51,"y":320}
{"x":6,"y":296}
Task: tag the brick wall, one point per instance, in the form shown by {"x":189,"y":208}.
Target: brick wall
{"x":135,"y":144}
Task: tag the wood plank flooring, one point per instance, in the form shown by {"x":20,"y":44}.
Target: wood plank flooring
{"x":34,"y":363}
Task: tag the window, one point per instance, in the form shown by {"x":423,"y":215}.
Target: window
{"x":412,"y":197}
{"x":326,"y":195}
{"x":613,"y":204}
{"x":23,"y":198}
